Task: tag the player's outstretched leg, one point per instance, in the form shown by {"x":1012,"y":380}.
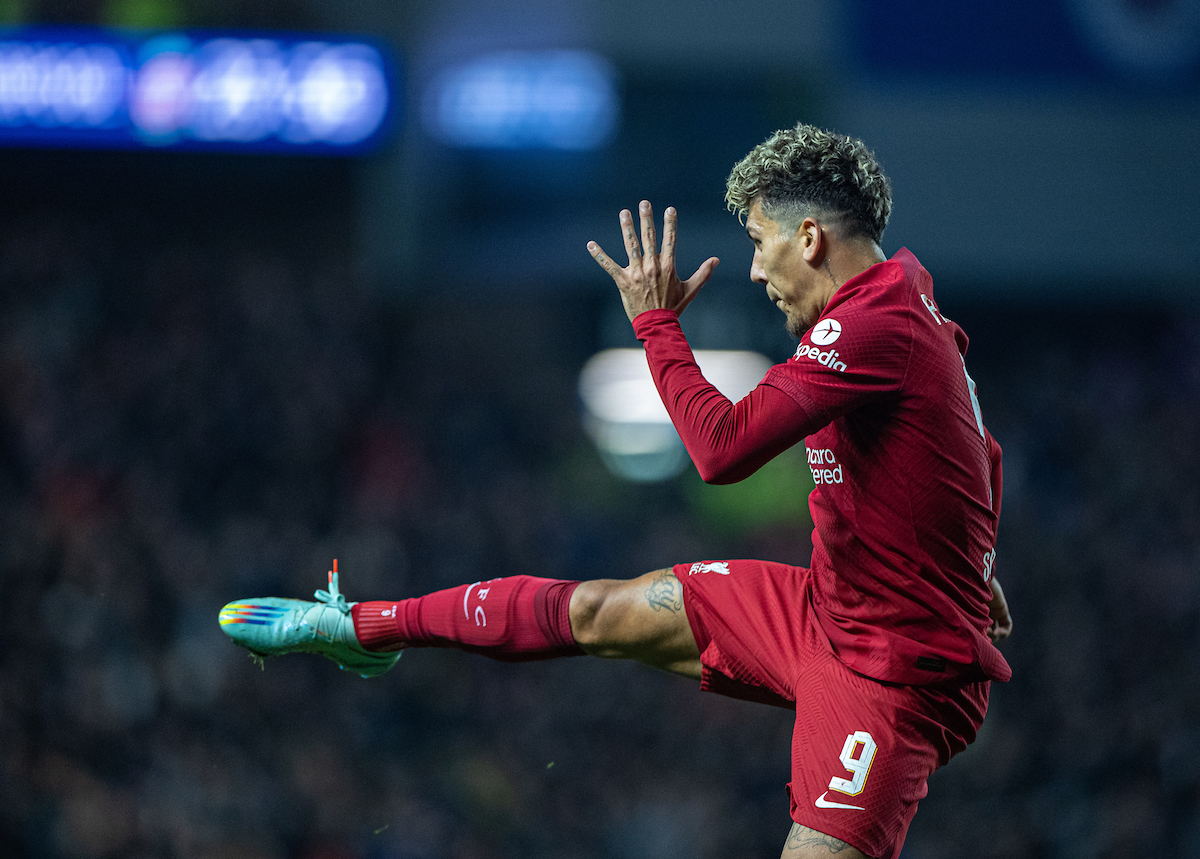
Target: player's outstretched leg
{"x":514,"y":619}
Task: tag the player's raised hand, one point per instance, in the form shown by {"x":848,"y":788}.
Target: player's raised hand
{"x":650,"y":281}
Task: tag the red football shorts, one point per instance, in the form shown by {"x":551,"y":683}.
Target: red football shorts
{"x":862,"y":750}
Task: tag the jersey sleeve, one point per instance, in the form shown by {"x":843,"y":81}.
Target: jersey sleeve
{"x":727,"y":441}
{"x":854,"y":354}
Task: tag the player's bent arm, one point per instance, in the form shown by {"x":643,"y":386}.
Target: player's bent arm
{"x":730,"y":441}
{"x":1002,"y":622}
{"x":727,"y":441}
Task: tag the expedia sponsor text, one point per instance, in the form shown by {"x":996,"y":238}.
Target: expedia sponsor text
{"x":828,"y":358}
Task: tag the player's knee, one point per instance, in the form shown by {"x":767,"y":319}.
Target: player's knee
{"x":591,"y":612}
{"x":640,"y":619}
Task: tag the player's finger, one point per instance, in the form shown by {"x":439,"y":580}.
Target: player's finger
{"x":691,"y":286}
{"x":606,"y":262}
{"x":668,"y":247}
{"x":649,"y":241}
{"x":631,"y":239}
{"x":703,"y":273}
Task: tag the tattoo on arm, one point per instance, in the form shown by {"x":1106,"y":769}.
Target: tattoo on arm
{"x":801,"y":837}
{"x":665,"y":592}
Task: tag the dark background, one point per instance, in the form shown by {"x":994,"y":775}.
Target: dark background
{"x":218,"y":373}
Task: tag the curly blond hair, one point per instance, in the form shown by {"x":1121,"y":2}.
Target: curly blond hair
{"x":809,"y":172}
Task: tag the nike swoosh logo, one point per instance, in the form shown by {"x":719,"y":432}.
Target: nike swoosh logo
{"x":822,"y":802}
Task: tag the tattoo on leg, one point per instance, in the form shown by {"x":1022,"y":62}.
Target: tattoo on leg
{"x":665,"y":592}
{"x":802,"y":836}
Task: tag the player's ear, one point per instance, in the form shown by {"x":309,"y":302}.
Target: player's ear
{"x":812,"y":241}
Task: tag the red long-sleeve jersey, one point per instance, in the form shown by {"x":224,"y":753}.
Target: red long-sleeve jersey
{"x":908,"y":479}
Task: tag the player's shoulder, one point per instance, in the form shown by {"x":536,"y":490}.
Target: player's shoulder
{"x":866,"y":330}
{"x":917,"y":291}
{"x":891,"y":285}
{"x":879,"y":302}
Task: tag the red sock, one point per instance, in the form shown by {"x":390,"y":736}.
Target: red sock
{"x":513,"y":619}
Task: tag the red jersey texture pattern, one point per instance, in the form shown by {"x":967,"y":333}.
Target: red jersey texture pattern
{"x":908,"y":480}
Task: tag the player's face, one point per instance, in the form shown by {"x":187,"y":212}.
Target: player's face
{"x":780,"y":264}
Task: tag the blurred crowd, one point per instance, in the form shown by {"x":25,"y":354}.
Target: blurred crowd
{"x":194,"y":419}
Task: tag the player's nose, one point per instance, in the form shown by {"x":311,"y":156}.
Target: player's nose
{"x":757,"y":275}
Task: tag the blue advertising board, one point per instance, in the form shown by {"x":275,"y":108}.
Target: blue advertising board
{"x":194,"y":90}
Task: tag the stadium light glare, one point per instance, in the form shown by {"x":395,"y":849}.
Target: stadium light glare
{"x":624,"y":415}
{"x":553,"y":100}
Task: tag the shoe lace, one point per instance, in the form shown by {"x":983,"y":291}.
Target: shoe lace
{"x":333,"y":597}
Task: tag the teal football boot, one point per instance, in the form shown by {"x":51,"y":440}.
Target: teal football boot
{"x":270,"y":626}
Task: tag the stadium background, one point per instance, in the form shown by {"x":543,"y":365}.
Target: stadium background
{"x":219,"y":372}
